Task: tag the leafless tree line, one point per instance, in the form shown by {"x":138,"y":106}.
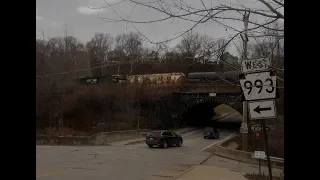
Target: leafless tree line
{"x":68,"y":54}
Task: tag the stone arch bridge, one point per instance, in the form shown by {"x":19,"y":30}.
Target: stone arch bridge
{"x":187,"y":97}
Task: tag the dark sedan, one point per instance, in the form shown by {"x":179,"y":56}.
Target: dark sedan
{"x":163,"y":139}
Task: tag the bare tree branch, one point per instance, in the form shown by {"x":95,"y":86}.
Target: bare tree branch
{"x":278,"y":2}
{"x":272,"y":9}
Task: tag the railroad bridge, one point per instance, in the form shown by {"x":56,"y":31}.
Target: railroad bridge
{"x":218,"y":94}
{"x":201,"y":99}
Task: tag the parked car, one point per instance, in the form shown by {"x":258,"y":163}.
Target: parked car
{"x":210,"y":132}
{"x":163,"y":138}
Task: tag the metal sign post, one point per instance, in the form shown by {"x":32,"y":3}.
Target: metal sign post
{"x":259,"y":89}
{"x":259,"y":159}
{"x":259,"y":155}
{"x":267,"y":147}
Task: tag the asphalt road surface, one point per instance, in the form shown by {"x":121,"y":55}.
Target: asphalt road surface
{"x":124,"y":162}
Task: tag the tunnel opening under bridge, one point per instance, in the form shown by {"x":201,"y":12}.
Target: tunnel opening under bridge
{"x":204,"y":115}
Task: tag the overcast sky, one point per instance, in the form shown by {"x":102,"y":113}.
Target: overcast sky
{"x":57,"y":17}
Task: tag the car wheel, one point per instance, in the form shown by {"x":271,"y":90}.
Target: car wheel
{"x":150,"y":146}
{"x":165,"y":145}
{"x":179,"y":144}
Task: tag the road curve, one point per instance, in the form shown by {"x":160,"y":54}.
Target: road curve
{"x":123,"y":162}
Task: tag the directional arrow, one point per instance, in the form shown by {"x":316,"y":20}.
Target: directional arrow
{"x":258,"y":109}
{"x":264,"y":109}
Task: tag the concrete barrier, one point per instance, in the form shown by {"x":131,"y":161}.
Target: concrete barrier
{"x":106,"y":137}
{"x":102,"y":138}
{"x":242,"y":156}
{"x":61,"y":140}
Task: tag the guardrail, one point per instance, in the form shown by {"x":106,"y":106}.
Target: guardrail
{"x":243,"y":156}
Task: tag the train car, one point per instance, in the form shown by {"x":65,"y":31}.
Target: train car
{"x":88,"y":80}
{"x":211,"y":77}
{"x":157,"y":79}
{"x":119,"y":79}
{"x":201,"y":77}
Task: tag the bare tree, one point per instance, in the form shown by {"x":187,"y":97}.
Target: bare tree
{"x":189,"y":47}
{"x":262,"y":14}
{"x":129,"y":48}
{"x":99,"y":48}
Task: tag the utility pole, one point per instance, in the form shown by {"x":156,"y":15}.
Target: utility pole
{"x":118,"y":66}
{"x":139,"y":109}
{"x":245,"y":40}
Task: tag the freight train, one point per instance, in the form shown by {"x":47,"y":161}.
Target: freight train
{"x":211,"y":77}
{"x":163,"y":79}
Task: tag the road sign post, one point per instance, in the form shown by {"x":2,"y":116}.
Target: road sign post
{"x":245,"y":121}
{"x":259,"y":155}
{"x":259,"y":90}
{"x":267,"y":147}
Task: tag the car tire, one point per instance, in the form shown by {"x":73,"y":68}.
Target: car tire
{"x":150,"y":146}
{"x":204,"y":137}
{"x":165,"y":145}
{"x":179,"y":144}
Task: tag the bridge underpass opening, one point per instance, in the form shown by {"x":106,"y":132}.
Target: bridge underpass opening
{"x":204,"y":115}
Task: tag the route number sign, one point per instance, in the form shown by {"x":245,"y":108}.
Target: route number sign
{"x":259,"y":86}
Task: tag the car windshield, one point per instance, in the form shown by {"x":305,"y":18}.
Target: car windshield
{"x":154,"y":133}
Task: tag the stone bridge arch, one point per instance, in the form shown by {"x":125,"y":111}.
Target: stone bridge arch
{"x":192,"y":99}
{"x":171,"y":109}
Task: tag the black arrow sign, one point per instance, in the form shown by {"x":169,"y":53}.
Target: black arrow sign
{"x":258,"y":109}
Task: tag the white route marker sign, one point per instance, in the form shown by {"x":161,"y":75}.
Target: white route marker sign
{"x":259,"y":86}
{"x":254,"y":65}
{"x":262,"y":109}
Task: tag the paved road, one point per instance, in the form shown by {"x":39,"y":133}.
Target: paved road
{"x":123,"y":162}
{"x":234,"y":117}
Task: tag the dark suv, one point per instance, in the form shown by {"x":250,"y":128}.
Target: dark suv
{"x":163,"y":139}
{"x":210,"y":132}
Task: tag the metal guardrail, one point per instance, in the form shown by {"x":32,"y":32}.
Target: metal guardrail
{"x":276,"y":159}
{"x":272,"y":158}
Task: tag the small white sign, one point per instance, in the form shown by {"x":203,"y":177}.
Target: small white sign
{"x":258,"y":128}
{"x":248,"y":66}
{"x":244,"y":128}
{"x":259,"y":155}
{"x":212,"y":94}
{"x":259,"y":86}
{"x":262,"y":109}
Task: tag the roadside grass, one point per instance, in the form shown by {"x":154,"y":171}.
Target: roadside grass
{"x":261,"y":177}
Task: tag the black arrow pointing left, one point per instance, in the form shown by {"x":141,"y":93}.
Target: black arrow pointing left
{"x":258,"y":109}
